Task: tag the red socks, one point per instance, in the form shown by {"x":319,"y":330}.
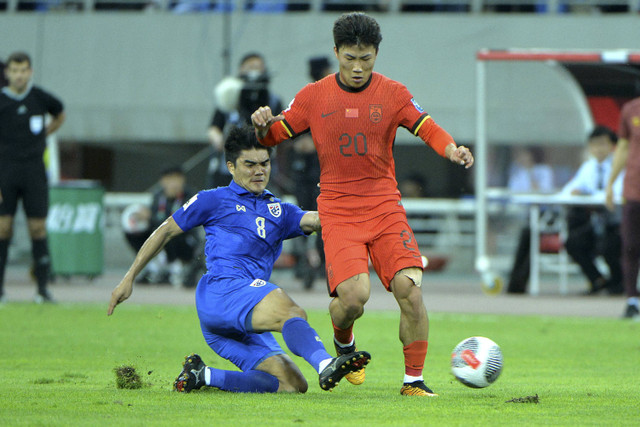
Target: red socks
{"x":343,"y":336}
{"x":414,"y":355}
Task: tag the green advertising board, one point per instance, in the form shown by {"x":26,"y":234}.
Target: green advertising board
{"x":75,"y":228}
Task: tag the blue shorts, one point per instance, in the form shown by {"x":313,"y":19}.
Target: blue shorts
{"x":224,"y":308}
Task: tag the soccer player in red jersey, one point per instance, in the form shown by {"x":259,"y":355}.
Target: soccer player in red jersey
{"x":353,"y":116}
{"x":627,"y":156}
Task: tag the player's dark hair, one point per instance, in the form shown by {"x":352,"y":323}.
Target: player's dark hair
{"x":356,"y":29}
{"x":241,"y":138}
{"x":604,"y":130}
{"x":19,"y":57}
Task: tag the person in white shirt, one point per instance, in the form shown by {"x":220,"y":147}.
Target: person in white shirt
{"x":528,"y":174}
{"x":594,"y":231}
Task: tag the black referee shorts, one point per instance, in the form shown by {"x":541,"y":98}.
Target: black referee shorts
{"x":26,"y":180}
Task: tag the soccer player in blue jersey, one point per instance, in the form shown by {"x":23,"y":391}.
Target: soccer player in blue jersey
{"x":237,"y":306}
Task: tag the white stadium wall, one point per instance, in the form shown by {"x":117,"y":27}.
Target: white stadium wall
{"x":130,"y":76}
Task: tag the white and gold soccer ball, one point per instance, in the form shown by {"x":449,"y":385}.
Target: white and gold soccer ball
{"x":476,"y":362}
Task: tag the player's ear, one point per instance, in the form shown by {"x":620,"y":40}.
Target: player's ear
{"x":231,"y":168}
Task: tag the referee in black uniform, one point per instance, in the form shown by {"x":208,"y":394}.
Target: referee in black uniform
{"x":23,"y":132}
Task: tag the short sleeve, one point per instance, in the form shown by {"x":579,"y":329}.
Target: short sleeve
{"x":294,"y":215}
{"x":197,"y":211}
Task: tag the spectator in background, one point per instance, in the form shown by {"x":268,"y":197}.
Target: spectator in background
{"x":595,"y":230}
{"x":305,"y":172}
{"x":412,"y":185}
{"x":24,"y":108}
{"x":528,"y":174}
{"x":178,"y":262}
{"x":237,"y":98}
{"x":627,"y":156}
{"x":3,"y":80}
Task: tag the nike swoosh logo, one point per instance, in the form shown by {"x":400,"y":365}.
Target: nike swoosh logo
{"x":327,"y":114}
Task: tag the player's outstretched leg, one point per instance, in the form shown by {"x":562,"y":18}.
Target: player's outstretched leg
{"x":192,"y":375}
{"x":355,"y":377}
{"x":195,"y":374}
{"x":341,"y":366}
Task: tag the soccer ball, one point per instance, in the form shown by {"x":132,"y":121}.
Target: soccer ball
{"x":476,"y":362}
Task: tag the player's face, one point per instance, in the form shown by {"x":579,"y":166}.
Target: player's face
{"x":18,"y":74}
{"x":356,"y":64}
{"x":252,"y":170}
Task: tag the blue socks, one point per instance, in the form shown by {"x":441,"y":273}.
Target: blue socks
{"x":303,"y":341}
{"x":242,"y":382}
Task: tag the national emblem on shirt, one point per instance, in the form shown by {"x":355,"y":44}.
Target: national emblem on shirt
{"x":274,"y":209}
{"x":375,"y":113}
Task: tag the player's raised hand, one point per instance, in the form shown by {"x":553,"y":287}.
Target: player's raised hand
{"x":120,"y":294}
{"x":263,"y":118}
{"x":462,"y":156}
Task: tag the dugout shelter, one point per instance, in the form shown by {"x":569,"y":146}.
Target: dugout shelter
{"x":584,"y":88}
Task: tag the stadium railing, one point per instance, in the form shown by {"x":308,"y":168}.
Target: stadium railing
{"x":382,"y":6}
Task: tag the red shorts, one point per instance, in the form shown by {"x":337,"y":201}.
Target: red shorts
{"x":387,"y":240}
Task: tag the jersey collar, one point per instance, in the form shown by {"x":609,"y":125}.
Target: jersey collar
{"x":241,"y":191}
{"x":18,"y":96}
{"x":353,"y":89}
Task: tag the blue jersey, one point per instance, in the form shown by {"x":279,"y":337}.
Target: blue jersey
{"x":244,"y":232}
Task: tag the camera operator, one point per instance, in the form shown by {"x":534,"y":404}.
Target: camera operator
{"x":237,"y":98}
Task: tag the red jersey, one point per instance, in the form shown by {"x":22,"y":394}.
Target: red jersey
{"x":354,"y":131}
{"x":630,"y":130}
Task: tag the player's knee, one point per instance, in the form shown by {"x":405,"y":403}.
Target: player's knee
{"x":37,"y":229}
{"x":353,"y":294}
{"x":296,"y":311}
{"x":294,"y":383}
{"x":406,"y":288}
{"x":6,"y":228}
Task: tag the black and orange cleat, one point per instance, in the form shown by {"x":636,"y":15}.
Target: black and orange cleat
{"x":416,"y":388}
{"x":355,"y":377}
{"x":192,"y":375}
{"x":341,"y":366}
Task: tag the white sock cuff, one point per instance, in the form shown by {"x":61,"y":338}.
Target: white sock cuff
{"x":323,"y":364}
{"x":411,"y":379}
{"x":207,"y":375}
{"x":341,"y":345}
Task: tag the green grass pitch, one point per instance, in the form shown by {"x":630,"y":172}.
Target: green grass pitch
{"x":57,"y":368}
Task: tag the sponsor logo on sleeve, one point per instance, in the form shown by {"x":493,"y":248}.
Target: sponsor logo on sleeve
{"x":289,"y":106}
{"x":189,"y":202}
{"x":415,"y":104}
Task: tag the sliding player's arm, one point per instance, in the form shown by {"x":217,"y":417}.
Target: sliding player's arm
{"x":151,"y":247}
